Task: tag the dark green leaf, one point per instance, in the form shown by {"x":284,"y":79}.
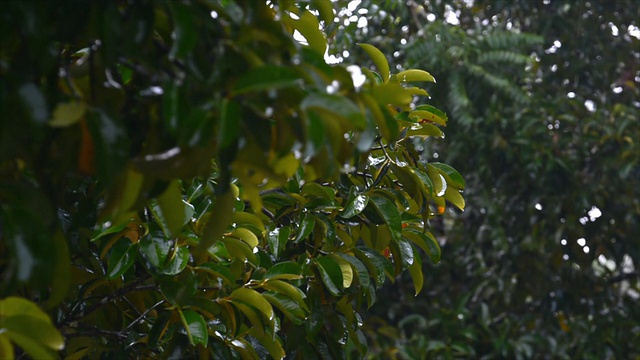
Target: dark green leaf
{"x":195,"y":326}
{"x":121,"y":258}
{"x":288,"y":270}
{"x":331,"y":274}
{"x":267,"y":77}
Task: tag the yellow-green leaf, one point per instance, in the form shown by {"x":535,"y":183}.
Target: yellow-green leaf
{"x":68,"y":113}
{"x":378,"y":59}
{"x":287,"y":289}
{"x":255,"y":299}
{"x":413,"y":75}
{"x":415,"y":270}
{"x":347,"y":271}
{"x":453,"y":196}
{"x":246,"y":235}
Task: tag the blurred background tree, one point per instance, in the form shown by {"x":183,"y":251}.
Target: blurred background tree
{"x":543,"y":98}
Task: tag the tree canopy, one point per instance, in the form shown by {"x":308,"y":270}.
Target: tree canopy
{"x":543,"y":105}
{"x":183,"y":179}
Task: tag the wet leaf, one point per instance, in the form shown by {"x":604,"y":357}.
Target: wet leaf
{"x":195,"y":327}
{"x":287,"y":270}
{"x":331,"y":274}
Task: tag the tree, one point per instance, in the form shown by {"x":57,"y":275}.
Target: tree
{"x":184,"y":178}
{"x":542,"y":98}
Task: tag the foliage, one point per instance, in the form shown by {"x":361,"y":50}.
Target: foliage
{"x":184,"y":178}
{"x":544,"y":263}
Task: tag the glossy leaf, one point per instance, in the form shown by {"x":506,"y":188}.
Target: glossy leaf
{"x":331,"y":274}
{"x":246,"y":235}
{"x":195,"y":327}
{"x":291,"y":309}
{"x":122,"y":257}
{"x":287,"y":289}
{"x":287,"y":270}
{"x":415,"y":270}
{"x":356,"y":203}
{"x":452,"y":176}
{"x":389,"y":212}
{"x":345,"y":269}
{"x":173,"y":210}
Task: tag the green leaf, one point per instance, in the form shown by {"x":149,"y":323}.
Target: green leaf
{"x":377,"y":265}
{"x":439,"y":186}
{"x":121,"y":258}
{"x":331,"y":274}
{"x":6,"y":349}
{"x":415,"y":270}
{"x":287,"y":289}
{"x":360,"y":267}
{"x":378,"y":59}
{"x":177,"y":262}
{"x":184,"y":29}
{"x":450,"y":174}
{"x":345,"y":268}
{"x":287,"y":270}
{"x":30,"y":345}
{"x":424,"y":131}
{"x":246,"y":235}
{"x":434,"y":250}
{"x":272,"y":343}
{"x":336,"y":105}
{"x":158,"y":328}
{"x":100,"y":233}
{"x":389,"y":212}
{"x":68,"y":113}
{"x":33,"y":328}
{"x":267,"y":77}
{"x":392,"y":93}
{"x":155,"y":249}
{"x":289,"y":308}
{"x":325,"y":8}
{"x":252,"y":314}
{"x":307,"y":24}
{"x":219,"y":271}
{"x":423,"y":115}
{"x":355,"y":204}
{"x":179,"y":289}
{"x":255,"y":299}
{"x":195,"y":326}
{"x":229,"y":123}
{"x":248,"y":220}
{"x":24,"y":323}
{"x":413,"y":75}
{"x":453,"y":196}
{"x":305,"y":227}
{"x":278,"y":238}
{"x":174,"y":211}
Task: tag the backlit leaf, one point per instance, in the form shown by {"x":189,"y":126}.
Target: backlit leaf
{"x":253,"y":298}
{"x":413,"y":75}
{"x":378,"y":59}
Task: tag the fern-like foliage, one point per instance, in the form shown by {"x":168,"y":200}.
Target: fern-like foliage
{"x":491,"y":61}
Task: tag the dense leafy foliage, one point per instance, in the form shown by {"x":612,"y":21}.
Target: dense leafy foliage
{"x":543,"y":97}
{"x":185,"y":178}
